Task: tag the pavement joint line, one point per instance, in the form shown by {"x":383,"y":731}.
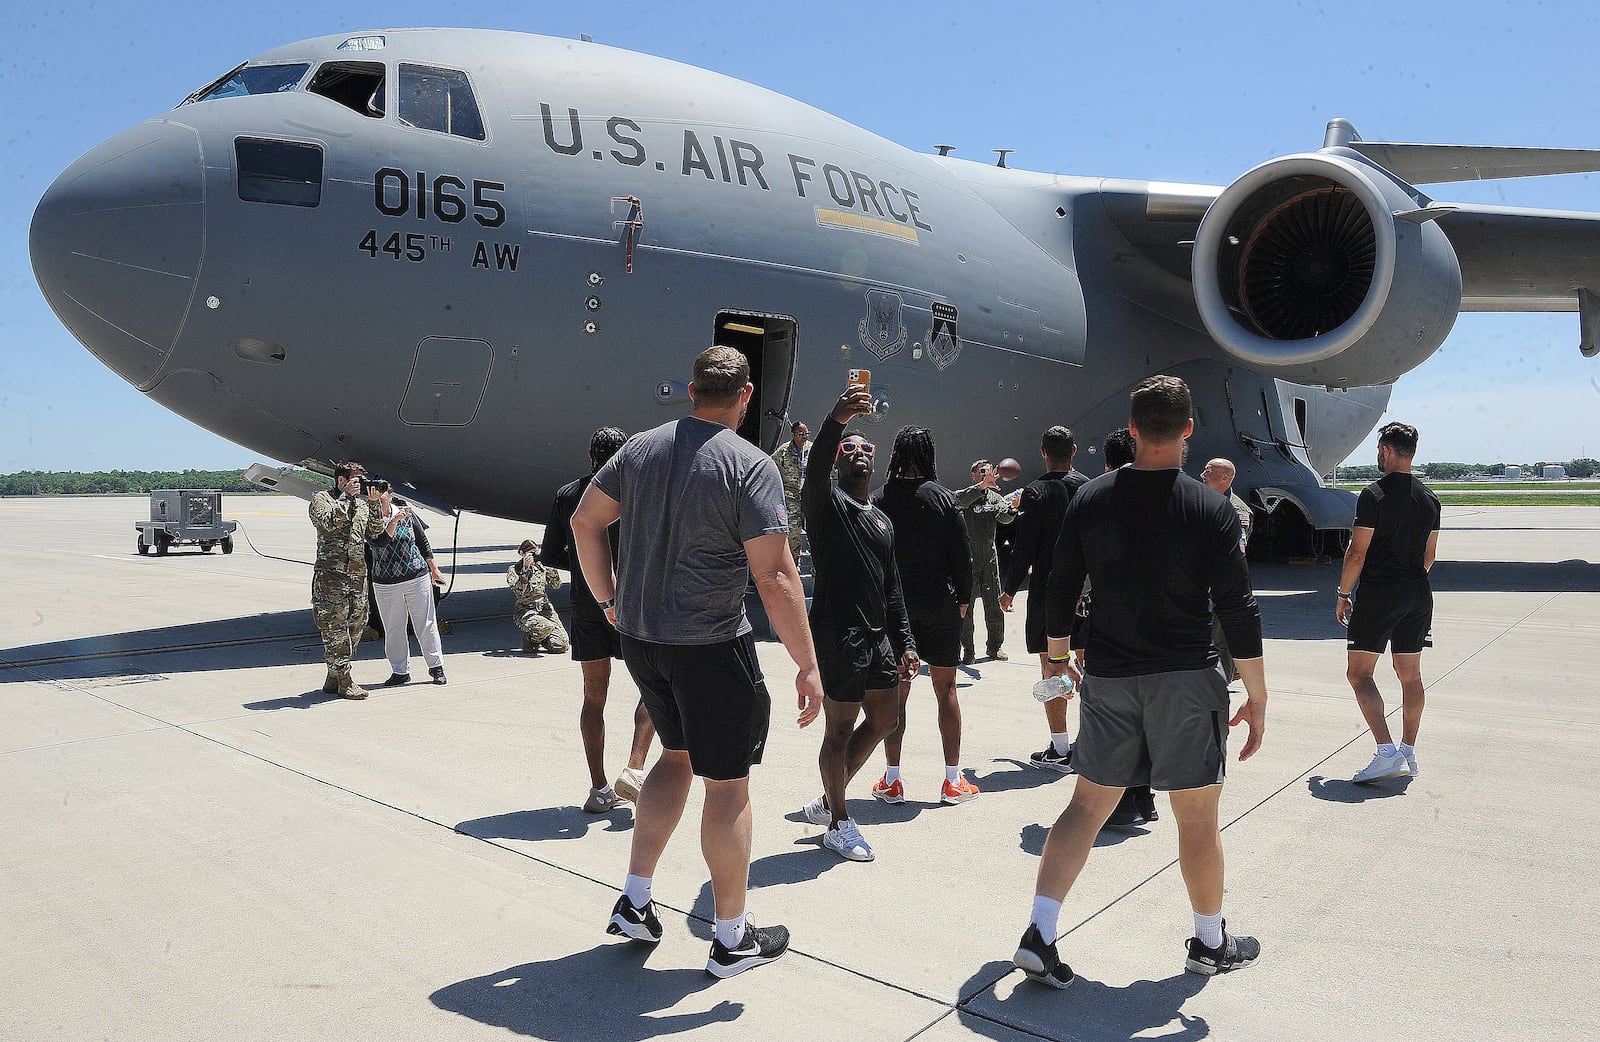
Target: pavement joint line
{"x":82,"y":741}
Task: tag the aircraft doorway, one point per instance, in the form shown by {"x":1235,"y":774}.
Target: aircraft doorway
{"x":770,"y":343}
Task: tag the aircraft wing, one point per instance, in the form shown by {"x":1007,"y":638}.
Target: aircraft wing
{"x":1523,"y":260}
{"x":1437,"y":164}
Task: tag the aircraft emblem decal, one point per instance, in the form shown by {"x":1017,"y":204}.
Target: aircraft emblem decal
{"x":882,"y":331}
{"x":944,"y":344}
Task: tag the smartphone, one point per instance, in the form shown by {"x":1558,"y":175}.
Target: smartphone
{"x":859,"y":380}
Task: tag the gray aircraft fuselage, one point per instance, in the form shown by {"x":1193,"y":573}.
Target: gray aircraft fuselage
{"x":457,"y":288}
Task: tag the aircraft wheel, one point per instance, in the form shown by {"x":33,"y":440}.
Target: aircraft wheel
{"x":144,"y":547}
{"x":163,"y":543}
{"x":227,"y":544}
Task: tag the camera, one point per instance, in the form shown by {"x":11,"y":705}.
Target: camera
{"x":365,"y":484}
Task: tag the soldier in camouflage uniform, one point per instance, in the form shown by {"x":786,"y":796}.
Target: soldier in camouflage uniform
{"x":791,"y":460}
{"x":345,"y":519}
{"x":534,"y":615}
{"x":985,"y":509}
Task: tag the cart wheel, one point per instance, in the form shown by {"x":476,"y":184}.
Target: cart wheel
{"x":144,"y":547}
{"x":206,"y":545}
{"x":163,"y":543}
{"x":227,"y":544}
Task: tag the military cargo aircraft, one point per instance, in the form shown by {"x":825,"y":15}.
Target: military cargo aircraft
{"x":454,"y":253}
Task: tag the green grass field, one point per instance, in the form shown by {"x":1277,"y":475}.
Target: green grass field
{"x":1509,"y":494}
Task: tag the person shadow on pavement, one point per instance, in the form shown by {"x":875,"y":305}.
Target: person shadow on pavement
{"x":545,"y":823}
{"x":1342,"y":790}
{"x":577,"y":998}
{"x":1152,"y":1008}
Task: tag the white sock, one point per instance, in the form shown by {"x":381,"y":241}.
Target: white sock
{"x":891,"y":773}
{"x":1062,"y":743}
{"x":730,"y":932}
{"x":605,"y":791}
{"x":1046,"y":915}
{"x":1387,"y":749}
{"x":1209,"y":929}
{"x":638,"y":890}
{"x":952,"y":774}
{"x":1406,"y":750}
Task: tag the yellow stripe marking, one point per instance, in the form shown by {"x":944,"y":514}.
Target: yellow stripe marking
{"x":860,"y":222}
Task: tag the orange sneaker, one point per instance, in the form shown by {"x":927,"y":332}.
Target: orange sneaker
{"x":886,"y":793}
{"x":962,"y":791}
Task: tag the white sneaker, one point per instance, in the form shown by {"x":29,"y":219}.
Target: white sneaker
{"x":1383,"y":767}
{"x":817,"y":812}
{"x":1411,"y":762}
{"x":845,"y":840}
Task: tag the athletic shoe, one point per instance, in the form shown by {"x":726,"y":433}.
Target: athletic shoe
{"x":1411,"y":762}
{"x":845,"y":840}
{"x":999,"y":655}
{"x":1126,"y":815}
{"x":761,"y":945}
{"x":1049,"y":758}
{"x":636,"y":924}
{"x":962,"y":791}
{"x":437,"y":673}
{"x":1040,"y":962}
{"x":1146,"y":802}
{"x":883,"y":792}
{"x":600,"y":802}
{"x":1234,"y":953}
{"x":396,"y":679}
{"x":817,"y":812}
{"x":1383,"y":767}
{"x":628,"y":784}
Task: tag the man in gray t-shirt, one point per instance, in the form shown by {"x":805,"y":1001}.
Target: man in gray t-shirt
{"x":701,"y":511}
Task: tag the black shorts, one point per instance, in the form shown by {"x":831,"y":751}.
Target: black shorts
{"x":936,"y":628}
{"x":1399,"y":617}
{"x":706,"y":699}
{"x":1165,"y":730}
{"x":1035,"y":624}
{"x":855,"y":662}
{"x":593,"y":639}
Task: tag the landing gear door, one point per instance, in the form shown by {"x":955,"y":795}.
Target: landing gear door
{"x":771,"y":344}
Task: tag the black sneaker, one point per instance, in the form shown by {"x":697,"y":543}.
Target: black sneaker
{"x":437,"y":673}
{"x":1146,"y":802}
{"x":1235,"y":953}
{"x":637,"y":924}
{"x":1040,"y":961}
{"x":1052,"y":760}
{"x":761,"y":945}
{"x":1126,"y":814}
{"x":396,"y":679}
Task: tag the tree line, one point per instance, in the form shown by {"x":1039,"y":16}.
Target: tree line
{"x":1578,"y":468}
{"x":111,"y":482}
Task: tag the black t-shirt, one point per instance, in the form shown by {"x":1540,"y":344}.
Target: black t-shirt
{"x":1160,"y":548}
{"x":1402,"y":513}
{"x":558,"y":550}
{"x":1041,"y":507}
{"x":930,"y":541}
{"x":856,"y":584}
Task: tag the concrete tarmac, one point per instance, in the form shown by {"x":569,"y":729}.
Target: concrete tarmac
{"x":198,"y":844}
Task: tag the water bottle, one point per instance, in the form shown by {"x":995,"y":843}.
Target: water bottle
{"x":1052,"y":687}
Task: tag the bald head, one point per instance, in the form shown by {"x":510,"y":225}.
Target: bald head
{"x":1218,"y":474}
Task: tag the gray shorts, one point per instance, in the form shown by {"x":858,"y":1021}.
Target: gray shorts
{"x":1165,"y":730}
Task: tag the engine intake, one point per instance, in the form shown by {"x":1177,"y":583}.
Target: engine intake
{"x":1301,"y":268}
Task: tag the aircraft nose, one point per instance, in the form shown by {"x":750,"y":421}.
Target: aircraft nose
{"x":116,"y":244}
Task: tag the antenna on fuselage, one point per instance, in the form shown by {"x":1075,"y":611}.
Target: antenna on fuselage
{"x":586,"y":38}
{"x":1002,"y":153}
{"x":945,"y":150}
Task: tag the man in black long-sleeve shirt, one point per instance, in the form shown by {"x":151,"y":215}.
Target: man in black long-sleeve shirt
{"x":935,"y":562}
{"x":858,"y":617}
{"x":1041,"y":508}
{"x":1160,"y":548}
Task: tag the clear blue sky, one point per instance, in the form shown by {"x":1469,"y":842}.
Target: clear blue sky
{"x":1164,"y":91}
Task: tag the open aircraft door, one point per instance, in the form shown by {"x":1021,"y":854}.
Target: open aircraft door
{"x":771,"y":343}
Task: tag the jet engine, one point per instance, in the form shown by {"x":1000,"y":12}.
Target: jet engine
{"x":1322,"y":268}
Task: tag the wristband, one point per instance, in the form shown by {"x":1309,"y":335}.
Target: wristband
{"x":606,"y":605}
{"x":1064,"y":658}
{"x":1344,"y":596}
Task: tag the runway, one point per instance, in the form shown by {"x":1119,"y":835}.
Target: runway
{"x":199,"y":844}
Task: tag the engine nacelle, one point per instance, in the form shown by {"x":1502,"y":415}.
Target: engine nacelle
{"x":1302,"y":269}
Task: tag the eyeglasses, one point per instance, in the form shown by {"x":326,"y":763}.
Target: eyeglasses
{"x":852,"y":448}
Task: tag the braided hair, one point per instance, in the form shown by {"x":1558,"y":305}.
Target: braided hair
{"x":603,"y":444}
{"x":913,"y":450}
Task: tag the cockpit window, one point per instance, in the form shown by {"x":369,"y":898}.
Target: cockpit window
{"x":439,"y":99}
{"x":251,"y":79}
{"x":358,"y":86}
